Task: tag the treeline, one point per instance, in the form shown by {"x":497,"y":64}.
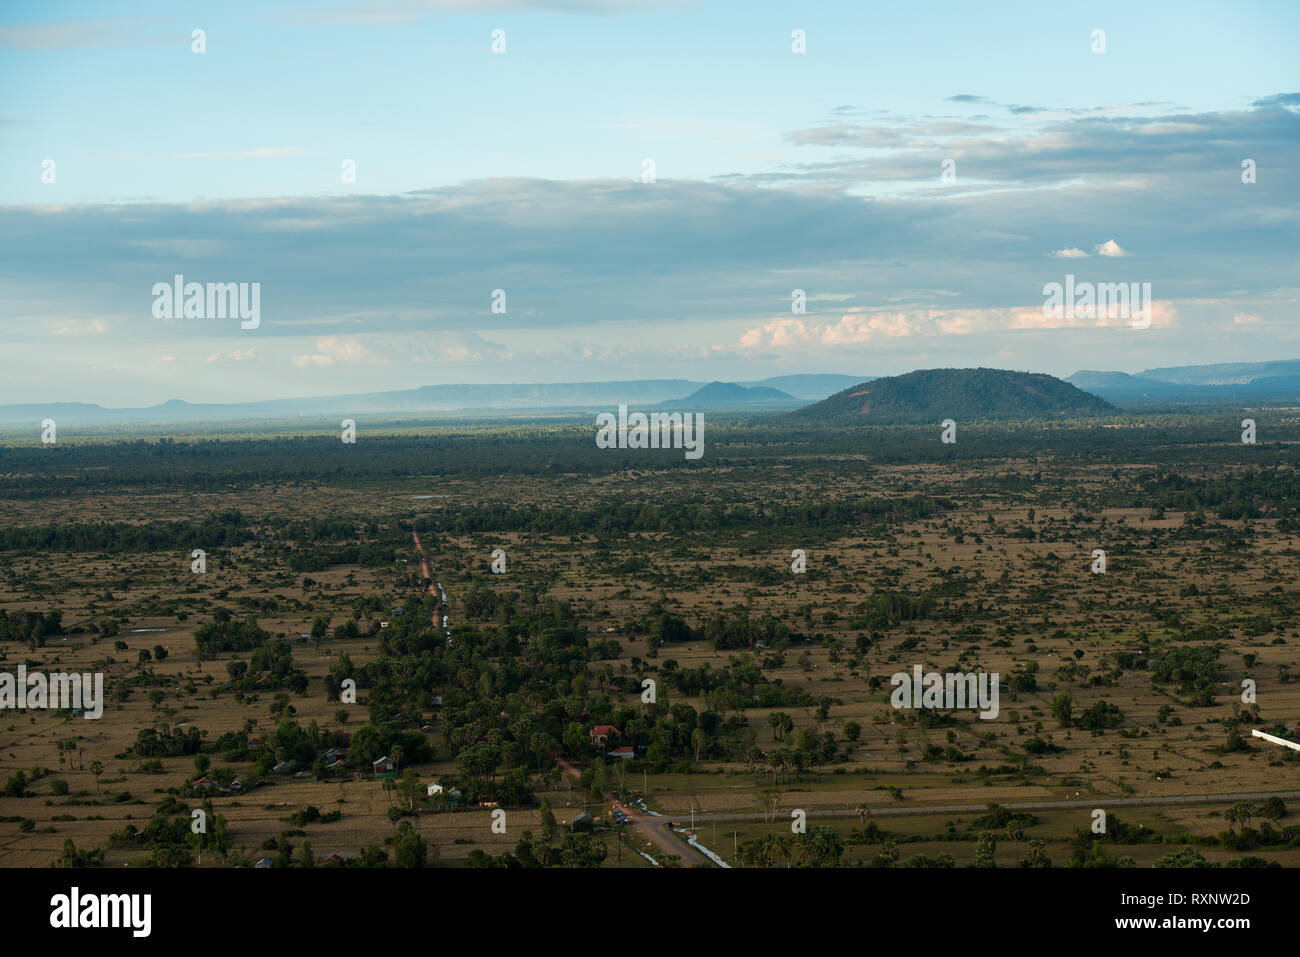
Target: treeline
{"x":1253,"y":493}
{"x":623,"y":517}
{"x":369,"y":543}
{"x":32,"y":472}
{"x":219,"y":529}
{"x":319,"y":558}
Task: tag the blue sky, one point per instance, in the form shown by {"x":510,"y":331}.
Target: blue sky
{"x":522,"y":171}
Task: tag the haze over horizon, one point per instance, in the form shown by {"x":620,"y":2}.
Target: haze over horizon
{"x":522,"y":171}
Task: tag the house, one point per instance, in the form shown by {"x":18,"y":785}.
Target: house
{"x":284,"y":767}
{"x":583,"y":822}
{"x":600,"y":734}
{"x":256,"y":743}
{"x":625,"y":753}
{"x":263,"y":862}
{"x":434,"y":788}
{"x":236,"y":787}
{"x":331,"y":861}
{"x":384,"y":767}
{"x":204,"y":783}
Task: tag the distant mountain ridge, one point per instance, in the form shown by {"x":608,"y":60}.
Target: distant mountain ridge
{"x":930,"y":395}
{"x":1224,"y":383}
{"x":1225,"y":373}
{"x":430,"y":399}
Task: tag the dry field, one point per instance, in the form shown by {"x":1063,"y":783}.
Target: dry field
{"x":1032,"y":601}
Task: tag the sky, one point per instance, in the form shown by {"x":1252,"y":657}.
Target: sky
{"x":639,"y":188}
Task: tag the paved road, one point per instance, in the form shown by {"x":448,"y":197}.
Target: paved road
{"x":1088,"y":803}
{"x":654,"y":828}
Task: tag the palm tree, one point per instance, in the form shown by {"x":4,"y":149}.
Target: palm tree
{"x":96,"y":768}
{"x":783,"y":849}
{"x":863,"y":811}
{"x":1036,"y":855}
{"x":1016,"y":833}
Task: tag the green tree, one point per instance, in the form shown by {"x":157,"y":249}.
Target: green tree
{"x":1063,"y":709}
{"x":409,"y":849}
{"x":16,"y":786}
{"x":409,"y":787}
{"x":1183,"y":857}
{"x":548,"y":822}
{"x":699,"y":742}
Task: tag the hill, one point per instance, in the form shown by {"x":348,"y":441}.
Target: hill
{"x":930,"y":395}
{"x":718,"y":395}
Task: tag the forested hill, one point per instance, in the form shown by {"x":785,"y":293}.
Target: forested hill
{"x":930,"y":395}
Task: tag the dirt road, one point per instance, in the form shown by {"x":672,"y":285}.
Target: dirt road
{"x":654,"y":828}
{"x":439,"y":616}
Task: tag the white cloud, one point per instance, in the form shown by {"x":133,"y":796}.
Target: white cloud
{"x":862,"y":327}
{"x":1070,"y":252}
{"x":1111,"y":249}
{"x":307,"y":361}
{"x":81,"y":327}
